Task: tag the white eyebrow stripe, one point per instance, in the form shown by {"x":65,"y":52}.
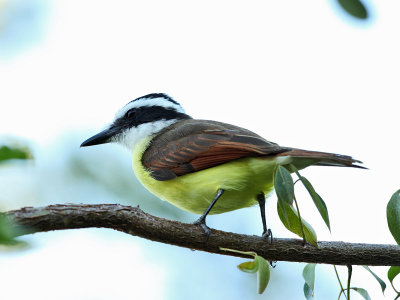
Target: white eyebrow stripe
{"x":148,"y":102}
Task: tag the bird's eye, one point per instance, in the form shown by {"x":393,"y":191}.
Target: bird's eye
{"x":131,"y":113}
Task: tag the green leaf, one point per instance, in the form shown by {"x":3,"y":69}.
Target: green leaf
{"x":263,"y":273}
{"x":362,"y":292}
{"x":292,"y":223}
{"x":309,"y":278}
{"x":355,"y":8}
{"x":319,"y":203}
{"x":249,"y":266}
{"x":284,"y":188}
{"x":308,"y":293}
{"x":393,"y":216}
{"x":7,"y":153}
{"x":250,"y":253}
{"x":7,"y":231}
{"x":259,"y":265}
{"x":381,"y":282}
{"x":392,"y":273}
{"x":282,"y":210}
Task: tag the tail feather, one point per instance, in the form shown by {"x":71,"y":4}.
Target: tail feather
{"x":304,"y":158}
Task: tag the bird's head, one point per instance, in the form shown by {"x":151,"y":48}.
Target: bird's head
{"x":138,"y":119}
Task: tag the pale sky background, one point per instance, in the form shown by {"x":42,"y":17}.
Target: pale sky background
{"x":299,"y":73}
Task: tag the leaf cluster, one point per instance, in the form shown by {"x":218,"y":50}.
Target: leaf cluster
{"x":289,"y":214}
{"x":7,"y":229}
{"x":14,"y":152}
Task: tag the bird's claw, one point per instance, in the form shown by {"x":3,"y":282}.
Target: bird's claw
{"x":272,"y":263}
{"x":202,"y":223}
{"x":268,"y":235}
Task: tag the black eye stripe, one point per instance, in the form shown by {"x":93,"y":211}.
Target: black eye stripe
{"x":146,"y":114}
{"x":156,"y":113}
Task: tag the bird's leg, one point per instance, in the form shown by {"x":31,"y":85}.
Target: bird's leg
{"x":202,"y":220}
{"x":261,"y":202}
{"x":266,"y":232}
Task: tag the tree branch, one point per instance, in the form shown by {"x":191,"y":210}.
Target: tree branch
{"x":133,"y":221}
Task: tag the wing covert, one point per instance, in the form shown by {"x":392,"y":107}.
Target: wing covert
{"x":200,"y":145}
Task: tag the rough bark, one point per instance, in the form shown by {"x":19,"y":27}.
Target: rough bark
{"x":133,"y":221}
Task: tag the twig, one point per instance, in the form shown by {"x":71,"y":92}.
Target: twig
{"x":340,"y":283}
{"x":350,"y":272}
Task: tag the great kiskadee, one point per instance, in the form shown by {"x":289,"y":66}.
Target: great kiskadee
{"x":201,"y":166}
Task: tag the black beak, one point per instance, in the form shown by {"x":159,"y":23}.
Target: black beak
{"x":101,"y":138}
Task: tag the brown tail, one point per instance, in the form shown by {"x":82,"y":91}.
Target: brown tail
{"x":305,"y":158}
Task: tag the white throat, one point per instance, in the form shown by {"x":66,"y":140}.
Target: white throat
{"x":132,"y":136}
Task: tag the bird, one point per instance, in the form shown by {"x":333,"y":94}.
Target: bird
{"x":203,"y":166}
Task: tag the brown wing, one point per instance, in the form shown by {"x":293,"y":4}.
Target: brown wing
{"x":193,"y":145}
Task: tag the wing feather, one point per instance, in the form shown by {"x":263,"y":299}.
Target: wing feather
{"x":193,"y":145}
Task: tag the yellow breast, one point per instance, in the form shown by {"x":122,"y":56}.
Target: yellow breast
{"x":242,"y":180}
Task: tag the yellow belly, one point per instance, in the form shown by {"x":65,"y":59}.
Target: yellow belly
{"x":242,"y":180}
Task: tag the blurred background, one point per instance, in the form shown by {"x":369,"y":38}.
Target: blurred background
{"x":305,"y":74}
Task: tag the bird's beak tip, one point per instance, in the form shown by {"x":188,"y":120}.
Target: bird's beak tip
{"x":87,"y":143}
{"x":100,"y":138}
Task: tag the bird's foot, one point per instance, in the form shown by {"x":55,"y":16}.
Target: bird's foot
{"x":202,"y":223}
{"x":267,"y":234}
{"x":272,"y":263}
